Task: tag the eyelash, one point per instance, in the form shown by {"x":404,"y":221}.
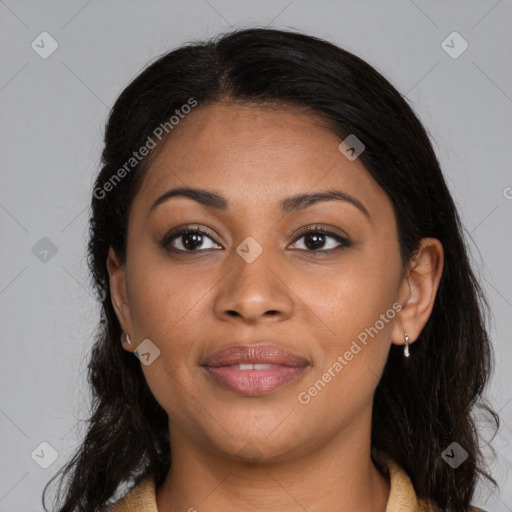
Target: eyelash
{"x":188,"y":230}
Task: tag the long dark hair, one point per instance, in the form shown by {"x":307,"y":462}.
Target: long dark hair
{"x":419,"y":408}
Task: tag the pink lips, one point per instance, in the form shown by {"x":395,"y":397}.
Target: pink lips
{"x":285,"y":367}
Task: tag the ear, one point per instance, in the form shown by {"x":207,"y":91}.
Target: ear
{"x":117,"y":275}
{"x":418,"y":290}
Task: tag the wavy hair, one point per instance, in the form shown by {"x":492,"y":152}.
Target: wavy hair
{"x":421,"y":405}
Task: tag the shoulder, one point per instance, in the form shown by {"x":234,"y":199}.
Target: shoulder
{"x":141,"y":498}
{"x":403,"y":497}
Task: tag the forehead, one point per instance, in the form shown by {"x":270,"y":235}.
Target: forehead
{"x":255,"y":153}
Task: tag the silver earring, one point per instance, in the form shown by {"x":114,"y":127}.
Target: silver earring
{"x":406,"y":345}
{"x":125,"y":338}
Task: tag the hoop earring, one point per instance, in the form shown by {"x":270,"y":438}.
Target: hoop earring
{"x":406,"y":345}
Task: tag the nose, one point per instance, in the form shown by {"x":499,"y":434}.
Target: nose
{"x":254,"y":292}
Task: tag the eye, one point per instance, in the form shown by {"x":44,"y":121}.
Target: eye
{"x":188,"y":239}
{"x":193,"y":239}
{"x":315,"y":240}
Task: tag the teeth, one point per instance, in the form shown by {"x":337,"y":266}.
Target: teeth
{"x":257,"y":366}
{"x":244,"y":366}
{"x":262,"y":366}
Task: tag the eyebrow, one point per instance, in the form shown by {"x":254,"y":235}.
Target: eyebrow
{"x":290,"y":204}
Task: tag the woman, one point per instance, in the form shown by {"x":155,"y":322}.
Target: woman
{"x":273,"y":239}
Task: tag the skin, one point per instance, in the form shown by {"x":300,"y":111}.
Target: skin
{"x":269,"y":452}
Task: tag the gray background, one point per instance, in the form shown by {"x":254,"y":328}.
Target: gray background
{"x":53,"y":112}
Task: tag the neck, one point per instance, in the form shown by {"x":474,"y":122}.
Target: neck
{"x":337,"y":474}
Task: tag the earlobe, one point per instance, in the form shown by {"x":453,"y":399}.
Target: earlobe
{"x":419,"y":290}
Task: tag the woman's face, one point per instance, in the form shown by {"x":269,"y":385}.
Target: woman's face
{"x":254,"y":278}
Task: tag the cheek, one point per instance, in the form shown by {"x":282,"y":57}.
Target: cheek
{"x":165,"y":299}
{"x":350,"y":356}
{"x":170,"y":306}
{"x":357,"y":316}
{"x":351,"y":296}
{"x":166,"y":308}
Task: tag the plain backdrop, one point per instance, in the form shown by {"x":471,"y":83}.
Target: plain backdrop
{"x":53,"y":110}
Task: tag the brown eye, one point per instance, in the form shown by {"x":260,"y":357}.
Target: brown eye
{"x":188,"y":240}
{"x":316,"y":239}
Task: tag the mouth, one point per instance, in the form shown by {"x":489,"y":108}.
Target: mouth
{"x":254,"y":370}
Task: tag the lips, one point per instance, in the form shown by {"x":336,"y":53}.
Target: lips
{"x":254,"y":370}
{"x":253,"y":354}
